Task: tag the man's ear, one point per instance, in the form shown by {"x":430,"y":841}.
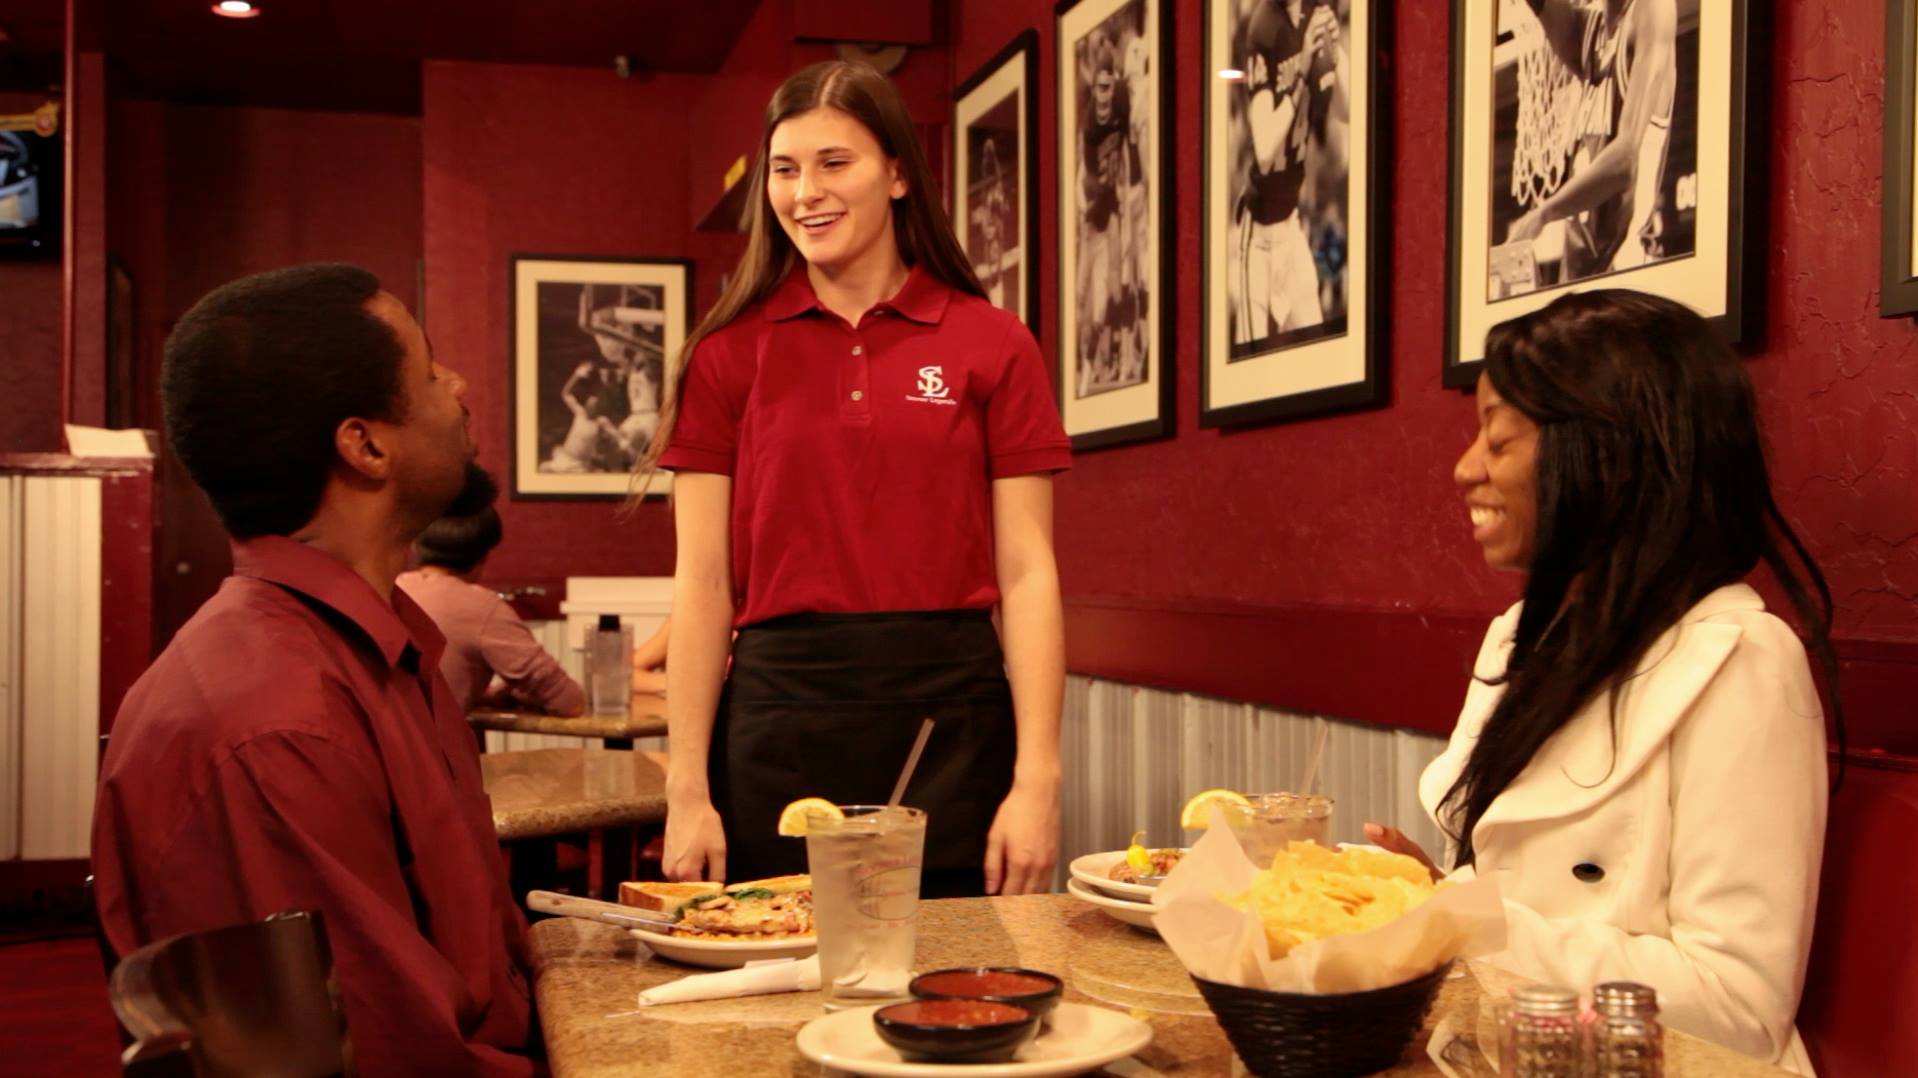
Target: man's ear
{"x":359,"y":445}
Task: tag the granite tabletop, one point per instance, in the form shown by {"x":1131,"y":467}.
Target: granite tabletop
{"x":560,"y":791}
{"x":646,"y":717}
{"x":589,"y":976}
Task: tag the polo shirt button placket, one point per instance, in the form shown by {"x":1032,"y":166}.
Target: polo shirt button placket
{"x":856,"y":407}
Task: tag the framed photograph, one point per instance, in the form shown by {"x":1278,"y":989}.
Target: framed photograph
{"x":1605,"y":144}
{"x":1116,"y":235}
{"x":1898,"y":250}
{"x":1296,"y":159}
{"x":591,"y":336}
{"x":995,"y":163}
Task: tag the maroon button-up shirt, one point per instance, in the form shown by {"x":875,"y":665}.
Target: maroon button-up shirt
{"x":295,"y":748}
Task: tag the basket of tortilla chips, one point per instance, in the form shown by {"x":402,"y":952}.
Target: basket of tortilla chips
{"x":1324,"y":963}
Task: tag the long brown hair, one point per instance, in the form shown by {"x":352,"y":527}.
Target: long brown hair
{"x":920,"y":225}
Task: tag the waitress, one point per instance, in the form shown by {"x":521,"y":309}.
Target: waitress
{"x":864,"y":449}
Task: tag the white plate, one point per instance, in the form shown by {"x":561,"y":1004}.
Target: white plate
{"x":1092,"y":870}
{"x":1123,"y":910}
{"x":722,"y":954}
{"x":1080,"y":1039}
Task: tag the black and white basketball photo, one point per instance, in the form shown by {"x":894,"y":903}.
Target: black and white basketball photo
{"x":601,"y":357}
{"x":1594,"y":139}
{"x":1288,"y":152}
{"x":991,"y":228}
{"x":1112,"y":189}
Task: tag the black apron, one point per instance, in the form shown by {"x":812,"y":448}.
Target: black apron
{"x":828,"y":705}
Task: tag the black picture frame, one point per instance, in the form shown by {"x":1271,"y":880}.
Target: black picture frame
{"x":1136,"y":346}
{"x":1341,"y":363}
{"x":1898,"y":279}
{"x":610,"y":294}
{"x":1723,"y":280}
{"x":985,"y":93}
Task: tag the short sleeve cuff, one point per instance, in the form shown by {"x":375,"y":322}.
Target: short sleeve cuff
{"x":1032,"y":461}
{"x":693,"y":458}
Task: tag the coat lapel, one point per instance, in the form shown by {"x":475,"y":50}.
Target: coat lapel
{"x":1583,"y":764}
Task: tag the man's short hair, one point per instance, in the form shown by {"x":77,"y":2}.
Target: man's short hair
{"x":459,"y":543}
{"x":258,"y":376}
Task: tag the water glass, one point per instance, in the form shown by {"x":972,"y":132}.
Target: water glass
{"x":1270,"y":821}
{"x":865,"y":887}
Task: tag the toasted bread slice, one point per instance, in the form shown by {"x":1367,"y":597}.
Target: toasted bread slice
{"x":665,"y":897}
{"x":778,"y":885}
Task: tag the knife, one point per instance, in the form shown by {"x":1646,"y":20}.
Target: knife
{"x":604,"y":912}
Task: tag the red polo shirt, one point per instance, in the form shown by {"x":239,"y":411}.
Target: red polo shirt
{"x":862,"y":457}
{"x":295,"y":748}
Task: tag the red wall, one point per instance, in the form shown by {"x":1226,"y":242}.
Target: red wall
{"x":29,"y":339}
{"x":1358,"y":513}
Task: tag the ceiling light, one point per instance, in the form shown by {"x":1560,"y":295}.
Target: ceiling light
{"x":1231,"y":73}
{"x":235,"y":9}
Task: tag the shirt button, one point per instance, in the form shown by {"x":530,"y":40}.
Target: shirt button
{"x":858,"y":350}
{"x":856,"y":395}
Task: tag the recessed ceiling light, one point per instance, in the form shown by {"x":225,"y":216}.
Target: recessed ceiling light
{"x":1231,"y":73}
{"x":235,"y":9}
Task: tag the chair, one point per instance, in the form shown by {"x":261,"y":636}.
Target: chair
{"x":1855,"y":1017}
{"x":251,"y":999}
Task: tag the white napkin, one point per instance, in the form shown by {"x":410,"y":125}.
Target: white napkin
{"x":752,"y":979}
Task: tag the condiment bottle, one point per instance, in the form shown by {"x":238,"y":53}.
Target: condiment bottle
{"x":1543,"y":1037}
{"x":1627,"y":1040}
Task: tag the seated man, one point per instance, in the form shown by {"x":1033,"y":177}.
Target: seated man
{"x":295,"y":747}
{"x":484,"y":637}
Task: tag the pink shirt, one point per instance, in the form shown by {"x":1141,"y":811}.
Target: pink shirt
{"x":295,"y":748}
{"x":485,"y":637}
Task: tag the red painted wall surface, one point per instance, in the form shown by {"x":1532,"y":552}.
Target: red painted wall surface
{"x":29,"y":339}
{"x":1358,"y":513}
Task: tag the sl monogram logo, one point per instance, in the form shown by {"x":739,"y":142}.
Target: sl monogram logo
{"x":932,"y":382}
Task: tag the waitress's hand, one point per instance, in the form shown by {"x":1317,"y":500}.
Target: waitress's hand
{"x":695,"y":841}
{"x":1023,"y":845}
{"x":1394,"y":840}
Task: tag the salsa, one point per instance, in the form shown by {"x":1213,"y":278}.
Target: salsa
{"x":954,"y":1012}
{"x":983,"y":983}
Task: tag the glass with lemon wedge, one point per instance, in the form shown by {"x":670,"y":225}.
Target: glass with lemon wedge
{"x":865,"y":862}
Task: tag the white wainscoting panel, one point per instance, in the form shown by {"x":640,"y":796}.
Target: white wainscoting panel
{"x":1132,"y":756}
{"x":59,"y":647}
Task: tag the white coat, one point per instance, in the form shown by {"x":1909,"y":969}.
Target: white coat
{"x":1686,"y":855}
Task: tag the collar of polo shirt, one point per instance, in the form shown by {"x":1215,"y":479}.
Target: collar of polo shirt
{"x":922,"y":298}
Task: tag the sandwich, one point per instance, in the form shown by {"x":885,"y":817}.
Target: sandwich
{"x":776,"y":908}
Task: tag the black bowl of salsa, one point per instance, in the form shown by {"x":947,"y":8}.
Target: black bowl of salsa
{"x":955,"y":1030}
{"x":1029,"y":988}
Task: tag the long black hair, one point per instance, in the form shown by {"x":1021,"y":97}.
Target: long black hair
{"x":1652,"y":493}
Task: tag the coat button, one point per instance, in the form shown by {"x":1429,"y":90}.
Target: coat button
{"x":1588,"y":872}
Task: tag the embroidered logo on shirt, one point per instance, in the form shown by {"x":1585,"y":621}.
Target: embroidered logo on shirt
{"x":932,"y":387}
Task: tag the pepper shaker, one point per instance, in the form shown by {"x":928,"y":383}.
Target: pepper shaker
{"x":1543,"y":1037}
{"x":1627,"y":1039}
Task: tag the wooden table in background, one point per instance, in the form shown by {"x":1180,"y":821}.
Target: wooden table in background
{"x":645,"y":718}
{"x":540,"y":794}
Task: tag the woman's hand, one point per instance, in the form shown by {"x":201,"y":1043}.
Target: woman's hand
{"x":1394,"y":840}
{"x":695,"y":841}
{"x":1023,"y":845}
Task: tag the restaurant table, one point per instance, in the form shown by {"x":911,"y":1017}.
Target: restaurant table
{"x":646,"y":717}
{"x":588,"y":977}
{"x":539,"y":792}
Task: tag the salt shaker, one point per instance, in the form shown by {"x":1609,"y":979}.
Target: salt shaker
{"x":1543,"y":1037}
{"x":609,"y":666}
{"x":1627,"y":1040}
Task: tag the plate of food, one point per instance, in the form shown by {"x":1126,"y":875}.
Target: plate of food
{"x":1124,"y":910}
{"x":1129,"y":873}
{"x":1080,"y":1038}
{"x":725,"y":926}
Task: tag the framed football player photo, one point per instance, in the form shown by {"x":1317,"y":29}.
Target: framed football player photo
{"x":995,"y":161}
{"x":1115,"y":239}
{"x":591,"y":337}
{"x":1296,"y":159}
{"x":1898,"y":291}
{"x":1605,"y":144}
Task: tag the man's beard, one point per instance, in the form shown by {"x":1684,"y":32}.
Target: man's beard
{"x":475,"y":494}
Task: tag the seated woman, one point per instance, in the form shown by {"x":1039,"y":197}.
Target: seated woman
{"x":484,"y":637}
{"x":1640,"y":761}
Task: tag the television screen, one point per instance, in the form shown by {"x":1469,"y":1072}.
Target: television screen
{"x":30,"y":183}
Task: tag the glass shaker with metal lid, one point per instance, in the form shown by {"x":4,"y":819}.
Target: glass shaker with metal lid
{"x":1541,"y":1035}
{"x":1627,"y":1039}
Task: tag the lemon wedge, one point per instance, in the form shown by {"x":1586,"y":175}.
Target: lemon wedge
{"x":1193,"y":816}
{"x":792,"y":818}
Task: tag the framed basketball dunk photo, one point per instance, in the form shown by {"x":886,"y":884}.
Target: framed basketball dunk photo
{"x":1605,"y":144}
